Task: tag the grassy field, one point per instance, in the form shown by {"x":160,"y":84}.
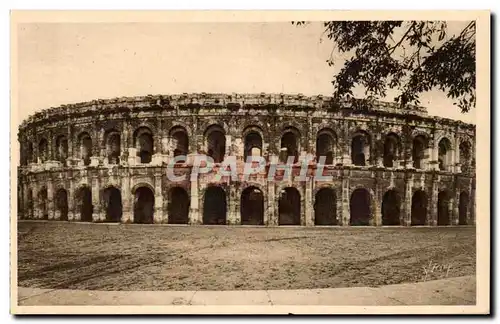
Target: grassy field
{"x":145,"y":257}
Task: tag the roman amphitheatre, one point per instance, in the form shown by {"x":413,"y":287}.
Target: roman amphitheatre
{"x":96,"y":209}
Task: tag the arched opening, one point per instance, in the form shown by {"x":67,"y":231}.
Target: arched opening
{"x":24,"y":157}
{"x":463,"y":208}
{"x":214,"y":206}
{"x":113,"y":147}
{"x":253,"y":145}
{"x":360,"y":207}
{"x":325,"y":146}
{"x":419,"y":208}
{"x":144,"y":144}
{"x":43,"y":151}
{"x":85,"y":144}
{"x":418,"y":151}
{"x":29,"y":153}
{"x":178,"y":206}
{"x":30,"y":204}
{"x":325,"y":207}
{"x":84,"y":204}
{"x":443,"y":208}
{"x":465,"y":156}
{"x":289,"y":146}
{"x":360,"y":148}
{"x":216,"y":143}
{"x":391,"y":150}
{"x":112,"y":201}
{"x":144,"y":203}
{"x":445,"y":154}
{"x":252,"y":206}
{"x":289,"y":207}
{"x":180,"y":141}
{"x":61,"y":149}
{"x":43,"y":203}
{"x":20,"y":203}
{"x":62,"y":204}
{"x":391,"y":205}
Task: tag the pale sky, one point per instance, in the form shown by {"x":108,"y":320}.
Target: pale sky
{"x":70,"y":63}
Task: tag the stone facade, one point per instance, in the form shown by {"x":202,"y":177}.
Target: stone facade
{"x":106,"y":160}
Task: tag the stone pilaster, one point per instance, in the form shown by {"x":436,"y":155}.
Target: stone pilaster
{"x":408,"y":163}
{"x":378,"y":150}
{"x":157,"y":156}
{"x":346,"y":160}
{"x":50,"y":147}
{"x":50,"y":199}
{"x":133,"y":159}
{"x":344,"y":147}
{"x":157,"y":159}
{"x":127,"y":199}
{"x":376,"y":219}
{"x":22,"y":151}
{"x":194,"y":211}
{"x":433,"y":154}
{"x":311,"y":139}
{"x":338,"y":206}
{"x":271,"y":213}
{"x":451,"y":213}
{"x":34,"y":187}
{"x":96,"y":203}
{"x":432,"y":205}
{"x":96,"y":145}
{"x":94,"y":161}
{"x":407,"y":151}
{"x":195,"y":140}
{"x":23,"y":204}
{"x":308,"y":204}
{"x":159,"y":217}
{"x":57,"y":211}
{"x":405,"y":216}
{"x":101,"y":146}
{"x":103,"y":156}
{"x":239,"y":149}
{"x":166,"y":146}
{"x":345,"y":198}
{"x":234,"y":215}
{"x":70,"y":142}
{"x":472,"y":215}
{"x":454,"y":216}
{"x":72,"y":213}
{"x":157,"y":137}
{"x":21,"y":210}
{"x":124,"y":144}
{"x":369,"y":158}
{"x":456,"y":155}
{"x":228,"y":149}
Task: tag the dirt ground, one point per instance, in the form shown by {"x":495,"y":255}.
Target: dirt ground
{"x":147,"y":257}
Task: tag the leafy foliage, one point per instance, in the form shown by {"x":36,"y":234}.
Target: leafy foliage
{"x":410,"y":56}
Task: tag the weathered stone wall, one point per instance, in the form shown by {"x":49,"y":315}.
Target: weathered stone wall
{"x":55,"y":167}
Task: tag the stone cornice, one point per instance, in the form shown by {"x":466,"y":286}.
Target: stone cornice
{"x":232,"y":101}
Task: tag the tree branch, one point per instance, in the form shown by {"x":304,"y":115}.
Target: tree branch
{"x":469,"y":25}
{"x":392,"y":49}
